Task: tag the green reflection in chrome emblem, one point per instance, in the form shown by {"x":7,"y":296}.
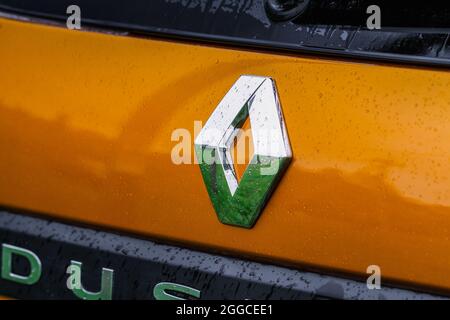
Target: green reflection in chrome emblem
{"x":240,"y":203}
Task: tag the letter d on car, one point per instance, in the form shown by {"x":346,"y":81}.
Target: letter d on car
{"x":7,"y":260}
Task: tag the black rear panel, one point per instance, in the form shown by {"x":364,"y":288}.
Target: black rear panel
{"x":414,"y":32}
{"x":138,"y":266}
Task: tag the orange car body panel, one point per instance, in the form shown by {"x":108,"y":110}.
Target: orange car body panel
{"x":86,"y":121}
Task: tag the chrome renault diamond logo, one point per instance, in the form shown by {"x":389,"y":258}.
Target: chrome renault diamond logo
{"x":240,"y":203}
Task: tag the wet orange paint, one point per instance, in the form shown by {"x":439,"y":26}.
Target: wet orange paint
{"x":242,"y":150}
{"x":85,"y":130}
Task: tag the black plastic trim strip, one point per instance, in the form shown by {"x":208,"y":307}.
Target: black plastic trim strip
{"x":140,"y":264}
{"x":245,"y":23}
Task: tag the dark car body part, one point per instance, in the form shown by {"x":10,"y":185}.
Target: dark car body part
{"x":139,"y":265}
{"x":410,"y":32}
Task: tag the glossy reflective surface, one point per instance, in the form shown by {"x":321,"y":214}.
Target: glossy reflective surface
{"x":415,"y":32}
{"x":254,"y":98}
{"x":85,"y":131}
